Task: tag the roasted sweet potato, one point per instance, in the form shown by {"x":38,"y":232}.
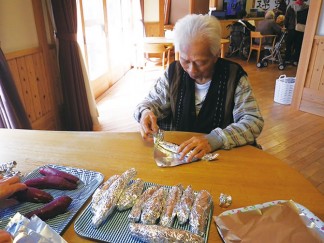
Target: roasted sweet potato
{"x":50,"y":171}
{"x":52,"y":209}
{"x":32,"y":194}
{"x":53,"y":182}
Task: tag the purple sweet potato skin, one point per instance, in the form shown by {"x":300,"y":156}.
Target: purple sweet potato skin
{"x":51,"y":182}
{"x":32,"y":194}
{"x":52,"y":209}
{"x":49,"y":171}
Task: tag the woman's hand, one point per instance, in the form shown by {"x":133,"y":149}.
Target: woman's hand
{"x":148,"y":125}
{"x":9,"y":186}
{"x":199,"y":146}
{"x":5,"y":237}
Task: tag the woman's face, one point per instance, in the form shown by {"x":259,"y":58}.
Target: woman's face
{"x":197,"y":60}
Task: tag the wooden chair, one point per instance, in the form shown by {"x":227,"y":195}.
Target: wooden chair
{"x":257,"y":43}
{"x":157,"y":53}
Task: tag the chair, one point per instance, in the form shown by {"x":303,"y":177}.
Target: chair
{"x":257,"y":43}
{"x":157,"y":53}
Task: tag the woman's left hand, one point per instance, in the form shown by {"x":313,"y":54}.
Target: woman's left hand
{"x":199,"y":146}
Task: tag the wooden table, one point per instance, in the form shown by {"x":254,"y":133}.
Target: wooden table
{"x":249,"y":175}
{"x":169,"y":41}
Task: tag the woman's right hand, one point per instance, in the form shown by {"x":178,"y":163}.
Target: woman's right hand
{"x":9,"y":186}
{"x":5,"y":237}
{"x":148,"y":125}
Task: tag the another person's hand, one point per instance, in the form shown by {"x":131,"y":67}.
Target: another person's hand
{"x":199,"y":146}
{"x":5,"y":237}
{"x":148,"y":125}
{"x":9,"y":186}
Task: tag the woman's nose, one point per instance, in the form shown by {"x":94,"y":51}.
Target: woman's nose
{"x":192,"y":67}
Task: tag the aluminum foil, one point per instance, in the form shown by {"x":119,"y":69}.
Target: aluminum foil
{"x":7,"y":169}
{"x":135,"y":213}
{"x":153,"y":207}
{"x":166,"y":155}
{"x":158,"y":233}
{"x":185,"y":205}
{"x":170,"y":211}
{"x":225,"y":200}
{"x":267,"y":223}
{"x":97,"y":195}
{"x":109,"y":200}
{"x":198,"y":219}
{"x":35,"y":230}
{"x":130,"y":195}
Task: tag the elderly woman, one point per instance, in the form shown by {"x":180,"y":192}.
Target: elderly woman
{"x":268,"y":26}
{"x":201,"y":93}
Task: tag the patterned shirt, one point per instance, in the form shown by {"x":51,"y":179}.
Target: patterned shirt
{"x":247,"y":125}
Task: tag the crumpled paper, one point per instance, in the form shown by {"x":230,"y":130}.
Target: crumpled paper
{"x":33,"y":230}
{"x":282,"y":222}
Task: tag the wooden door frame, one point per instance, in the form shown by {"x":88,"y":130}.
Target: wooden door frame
{"x":304,"y":60}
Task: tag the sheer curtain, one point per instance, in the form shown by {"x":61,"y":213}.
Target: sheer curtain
{"x":77,"y":112}
{"x":12,"y":112}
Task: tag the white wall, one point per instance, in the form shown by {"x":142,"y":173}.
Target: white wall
{"x":17,"y":25}
{"x":151,"y":11}
{"x":320,"y":27}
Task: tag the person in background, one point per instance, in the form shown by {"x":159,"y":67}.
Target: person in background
{"x":294,"y":36}
{"x":268,"y":26}
{"x":281,"y":9}
{"x":8,"y":186}
{"x":201,"y":93}
{"x":280,"y":20}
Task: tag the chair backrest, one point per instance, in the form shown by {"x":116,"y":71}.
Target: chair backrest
{"x":254,"y":36}
{"x":154,"y":48}
{"x":157,"y":50}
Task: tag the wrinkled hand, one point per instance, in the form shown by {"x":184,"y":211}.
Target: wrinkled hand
{"x":149,"y":125}
{"x":9,"y":186}
{"x":199,"y":146}
{"x":5,"y":237}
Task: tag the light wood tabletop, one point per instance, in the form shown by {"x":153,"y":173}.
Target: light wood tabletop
{"x":169,"y":41}
{"x":249,"y":175}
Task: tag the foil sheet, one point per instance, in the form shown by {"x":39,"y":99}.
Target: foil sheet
{"x":35,"y":230}
{"x":158,"y":233}
{"x":185,"y":205}
{"x":130,"y":195}
{"x":109,"y":200}
{"x":153,"y":207}
{"x":170,"y":211}
{"x":166,"y":155}
{"x":135,"y":213}
{"x":278,"y":221}
{"x":198,"y":219}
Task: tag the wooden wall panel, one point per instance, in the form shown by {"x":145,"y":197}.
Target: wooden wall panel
{"x":36,"y":99}
{"x":27,"y":94}
{"x":312,"y":99}
{"x":35,"y":87}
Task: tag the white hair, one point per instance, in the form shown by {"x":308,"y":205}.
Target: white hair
{"x":193,"y":26}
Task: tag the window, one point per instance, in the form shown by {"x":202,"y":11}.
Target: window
{"x":108,"y":31}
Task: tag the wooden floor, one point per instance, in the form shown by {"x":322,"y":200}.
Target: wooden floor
{"x":295,"y":137}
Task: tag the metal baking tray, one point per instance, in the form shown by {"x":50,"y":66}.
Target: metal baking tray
{"x":115,"y":228}
{"x":89,"y":181}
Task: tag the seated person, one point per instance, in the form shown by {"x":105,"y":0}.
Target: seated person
{"x":280,"y":20}
{"x":268,"y":26}
{"x":201,"y":93}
